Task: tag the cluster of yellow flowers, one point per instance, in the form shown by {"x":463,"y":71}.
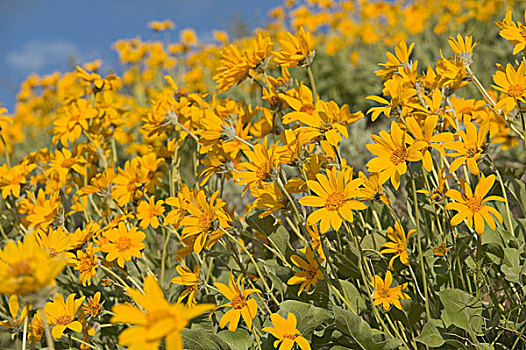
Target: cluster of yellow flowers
{"x":152,"y":192}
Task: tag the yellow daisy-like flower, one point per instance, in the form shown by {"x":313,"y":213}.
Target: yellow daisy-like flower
{"x":62,"y":314}
{"x":35,"y":328}
{"x":463,"y":47}
{"x":471,"y":205}
{"x":201,"y":228}
{"x":295,"y":50}
{"x":392,"y":154}
{"x":189,"y":279}
{"x":65,"y":162}
{"x":93,"y":305}
{"x":372,"y":188}
{"x":122,"y":244}
{"x":398,"y":244}
{"x":148,"y":212}
{"x":284,"y":329}
{"x":469,"y":149}
{"x":311,"y":274}
{"x":160,"y":26}
{"x":154,"y":320}
{"x":425,"y":134}
{"x":385,"y":294}
{"x":334,"y":196}
{"x":239,"y":302}
{"x":514,"y":33}
{"x":263,"y":166}
{"x":16,"y":320}
{"x":512,"y":82}
{"x":25,"y":267}
{"x":86,"y":264}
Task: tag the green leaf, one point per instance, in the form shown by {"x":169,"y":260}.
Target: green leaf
{"x":280,"y":240}
{"x":309,"y":317}
{"x":196,"y":339}
{"x":239,"y":340}
{"x":430,"y":336}
{"x":354,"y":326}
{"x":354,"y":296}
{"x":462,"y":310}
{"x":264,"y":225}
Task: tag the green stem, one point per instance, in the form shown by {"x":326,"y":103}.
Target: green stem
{"x":312,"y":84}
{"x":49,"y":337}
{"x":419,"y":244}
{"x":267,"y":288}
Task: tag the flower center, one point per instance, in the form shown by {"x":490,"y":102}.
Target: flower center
{"x":472,"y":151}
{"x":335,"y":201}
{"x":465,"y":110}
{"x":399,"y":156}
{"x":290,"y":336}
{"x":63,"y":320}
{"x":309,"y":109}
{"x":515,"y":91}
{"x":123,"y":244}
{"x":68,"y":163}
{"x":238,"y":302}
{"x":204,"y":221}
{"x":20,"y":269}
{"x":474,"y":204}
{"x":261,"y":172}
{"x":383,"y":293}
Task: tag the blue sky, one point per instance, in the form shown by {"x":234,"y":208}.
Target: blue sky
{"x":41,"y":36}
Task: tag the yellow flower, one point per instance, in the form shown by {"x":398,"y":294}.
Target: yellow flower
{"x":401,"y":59}
{"x":240,"y":305}
{"x":295,"y":50}
{"x":284,"y":329}
{"x":463,"y":47}
{"x":64,"y":163}
{"x":426,"y":134}
{"x":26,"y":268}
{"x":512,"y":32}
{"x":513,"y":84}
{"x":14,"y":307}
{"x":36,"y":328}
{"x":188,"y":37}
{"x":148,"y":212}
{"x":201,"y":227}
{"x":160,"y":26}
{"x":301,"y":102}
{"x":129,"y":183}
{"x":93,"y":306}
{"x":440,"y":250}
{"x":122,"y":244}
{"x":471,"y":205}
{"x":86,"y":264}
{"x":72,"y":121}
{"x":334,"y":196}
{"x":263,"y":166}
{"x":236,"y":65}
{"x":469,"y":149}
{"x":154,"y":319}
{"x":62,"y":314}
{"x":392,"y":154}
{"x":310,"y":276}
{"x":372,"y":188}
{"x":385,"y":294}
{"x":13,"y":179}
{"x":188,"y":279}
{"x":398,"y":246}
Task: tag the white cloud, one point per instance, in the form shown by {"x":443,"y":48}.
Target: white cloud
{"x":37,"y":55}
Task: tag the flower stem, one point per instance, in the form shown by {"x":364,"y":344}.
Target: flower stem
{"x":312,"y":84}
{"x":419,"y":243}
{"x":49,"y":337}
{"x":267,"y":288}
